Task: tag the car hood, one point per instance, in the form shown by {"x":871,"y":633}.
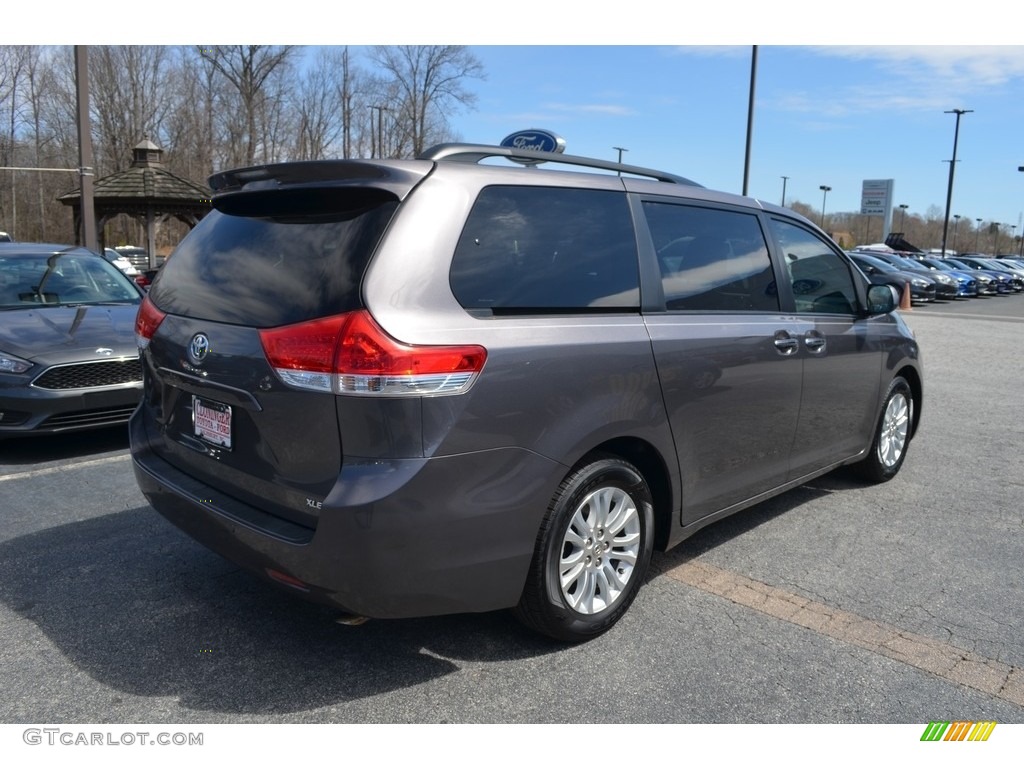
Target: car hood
{"x":906,"y":274}
{"x":64,"y":334}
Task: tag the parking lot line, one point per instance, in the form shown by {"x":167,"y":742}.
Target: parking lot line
{"x":63,"y":468}
{"x":956,"y":665}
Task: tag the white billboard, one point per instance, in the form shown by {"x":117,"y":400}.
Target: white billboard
{"x":876,"y":197}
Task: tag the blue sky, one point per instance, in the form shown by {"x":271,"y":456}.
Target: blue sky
{"x":834,"y":115}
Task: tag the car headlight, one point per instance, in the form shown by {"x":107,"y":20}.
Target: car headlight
{"x":12,"y":364}
{"x":919,"y":283}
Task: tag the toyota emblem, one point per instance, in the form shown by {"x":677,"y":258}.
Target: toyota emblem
{"x":198,"y":348}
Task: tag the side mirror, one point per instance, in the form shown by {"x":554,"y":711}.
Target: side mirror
{"x":882,"y":299}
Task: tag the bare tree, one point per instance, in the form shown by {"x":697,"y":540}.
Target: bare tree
{"x":430,"y":83}
{"x":130,"y":99}
{"x":12,"y":68}
{"x":38,"y":82}
{"x":190,"y":127}
{"x":247,"y":68}
{"x":320,"y":123}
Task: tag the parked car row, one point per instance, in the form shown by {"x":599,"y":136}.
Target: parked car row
{"x":929,"y":277}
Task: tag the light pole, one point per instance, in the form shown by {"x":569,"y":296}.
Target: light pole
{"x":956,"y":223}
{"x":1021,"y":168}
{"x":995,"y":236}
{"x":786,"y":178}
{"x":88,"y":233}
{"x":903,"y":214}
{"x":824,"y":193}
{"x":977,"y":235}
{"x":750,"y":119}
{"x":952,"y":167}
{"x":620,"y":150}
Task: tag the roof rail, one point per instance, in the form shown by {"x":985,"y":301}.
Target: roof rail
{"x":474,"y":153}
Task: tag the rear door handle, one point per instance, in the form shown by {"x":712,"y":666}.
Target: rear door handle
{"x":814,"y":342}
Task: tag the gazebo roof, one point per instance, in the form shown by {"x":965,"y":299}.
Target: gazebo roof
{"x":145,"y":184}
{"x":146,"y":191}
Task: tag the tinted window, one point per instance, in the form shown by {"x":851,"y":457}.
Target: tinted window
{"x":710,"y":259}
{"x":527,"y":249}
{"x":820,"y":277}
{"x":301,"y":256}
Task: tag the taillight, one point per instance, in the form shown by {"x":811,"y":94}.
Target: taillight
{"x":146,"y":322}
{"x":351,"y":355}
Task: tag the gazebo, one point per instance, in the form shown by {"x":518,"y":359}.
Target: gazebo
{"x":146,"y":191}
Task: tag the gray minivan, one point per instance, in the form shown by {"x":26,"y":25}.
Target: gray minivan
{"x":417,"y":387}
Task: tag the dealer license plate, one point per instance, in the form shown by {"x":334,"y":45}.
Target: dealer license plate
{"x":212,"y":422}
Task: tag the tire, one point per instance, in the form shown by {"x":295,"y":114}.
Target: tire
{"x":892,"y":435}
{"x":592,"y":551}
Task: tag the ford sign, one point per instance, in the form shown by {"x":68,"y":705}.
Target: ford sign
{"x":535,"y":139}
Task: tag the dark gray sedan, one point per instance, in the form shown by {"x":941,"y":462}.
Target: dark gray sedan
{"x":68,"y":357}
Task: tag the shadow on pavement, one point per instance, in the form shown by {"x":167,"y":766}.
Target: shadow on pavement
{"x":142,"y":609}
{"x":44,"y":448}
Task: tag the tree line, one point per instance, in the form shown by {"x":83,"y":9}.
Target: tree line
{"x":211,"y":108}
{"x":964,"y":235}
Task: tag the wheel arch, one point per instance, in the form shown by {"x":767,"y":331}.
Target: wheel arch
{"x":913,"y":378}
{"x":646,"y":458}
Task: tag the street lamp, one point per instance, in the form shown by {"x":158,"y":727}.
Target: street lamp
{"x":995,"y":236}
{"x":952,"y":167}
{"x":1021,"y":168}
{"x":750,"y":119}
{"x":977,"y":235}
{"x":824,"y":193}
{"x":903,"y":213}
{"x":786,"y":178}
{"x":620,"y":150}
{"x":956,"y":223}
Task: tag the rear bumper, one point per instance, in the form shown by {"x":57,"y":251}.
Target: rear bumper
{"x":395,"y":539}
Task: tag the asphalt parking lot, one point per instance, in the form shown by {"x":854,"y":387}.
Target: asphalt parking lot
{"x":835,"y":603}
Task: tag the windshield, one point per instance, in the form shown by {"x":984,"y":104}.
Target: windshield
{"x":881,"y":266}
{"x":68,"y":278}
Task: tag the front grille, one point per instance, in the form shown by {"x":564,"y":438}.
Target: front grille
{"x":96,"y":418}
{"x":101,"y":373}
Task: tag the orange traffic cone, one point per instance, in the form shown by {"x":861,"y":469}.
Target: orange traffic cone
{"x":905,"y":299}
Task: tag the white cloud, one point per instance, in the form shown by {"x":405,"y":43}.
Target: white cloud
{"x":905,"y":79}
{"x":958,"y":65}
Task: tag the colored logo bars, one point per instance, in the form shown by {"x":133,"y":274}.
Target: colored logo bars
{"x":958,"y":731}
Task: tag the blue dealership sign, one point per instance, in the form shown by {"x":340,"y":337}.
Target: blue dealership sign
{"x":535,"y":139}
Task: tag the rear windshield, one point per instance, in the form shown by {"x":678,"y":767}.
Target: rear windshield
{"x":275,"y":259}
